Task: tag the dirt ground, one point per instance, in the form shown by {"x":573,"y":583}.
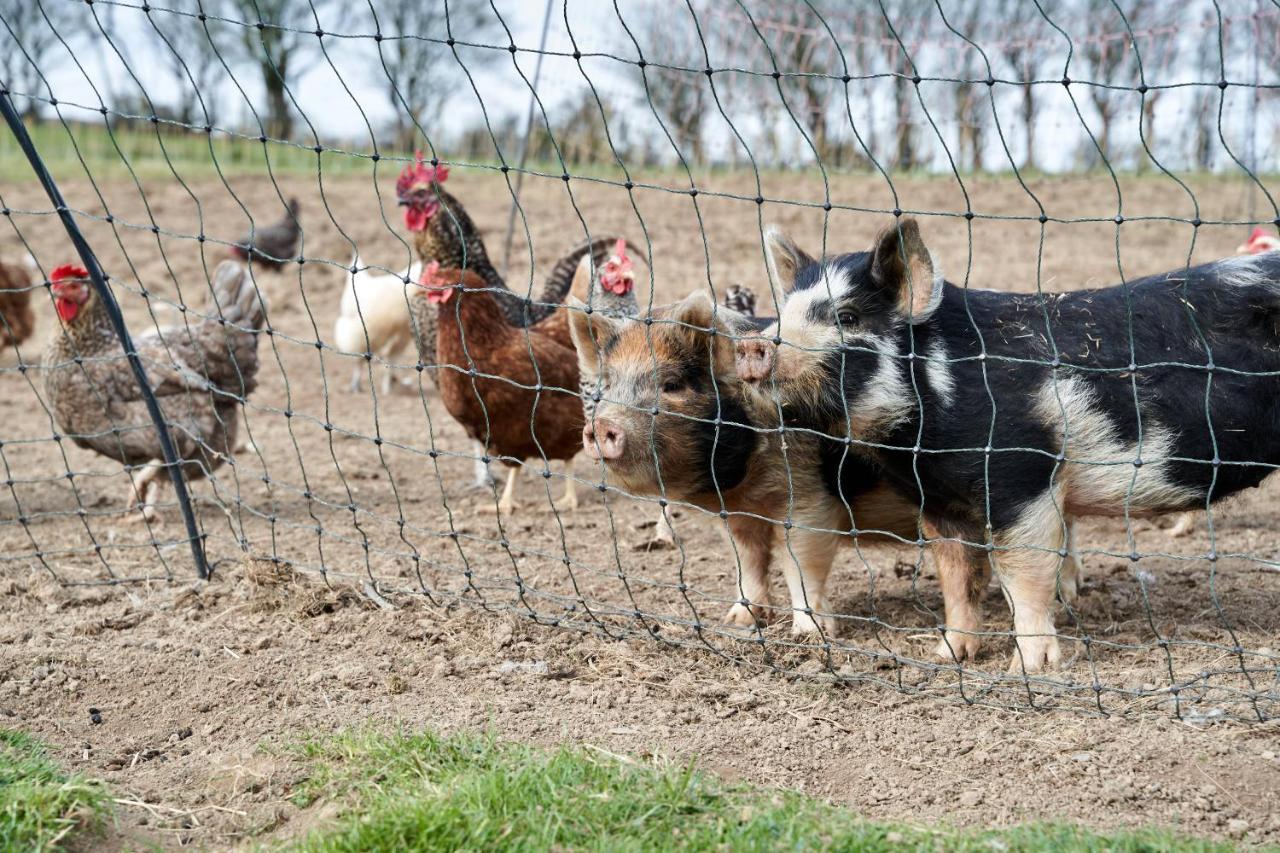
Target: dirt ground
{"x":1177,"y":653}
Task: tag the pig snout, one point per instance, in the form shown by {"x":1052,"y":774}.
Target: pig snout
{"x":753,"y":358}
{"x":603,"y":439}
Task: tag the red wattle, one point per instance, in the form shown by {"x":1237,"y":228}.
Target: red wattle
{"x":617,"y":285}
{"x":67,"y":309}
{"x":415,"y":220}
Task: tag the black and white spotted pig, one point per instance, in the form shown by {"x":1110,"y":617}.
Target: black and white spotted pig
{"x":1007,"y":414}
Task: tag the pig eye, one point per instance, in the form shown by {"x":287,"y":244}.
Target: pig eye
{"x":847,"y":318}
{"x":671,"y":386}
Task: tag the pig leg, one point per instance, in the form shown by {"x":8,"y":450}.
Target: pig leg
{"x":1027,"y":564}
{"x":753,"y":540}
{"x":806,"y":566}
{"x":963,"y":579}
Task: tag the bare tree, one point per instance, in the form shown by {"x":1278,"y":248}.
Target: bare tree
{"x":1157,"y":47}
{"x":971,"y":97}
{"x":680,"y":97}
{"x":1111,"y":60}
{"x":281,"y":48}
{"x":1023,"y":53}
{"x":581,"y":132}
{"x":417,"y":71}
{"x":904,"y":22}
{"x":33,"y":27}
{"x":191,"y":52}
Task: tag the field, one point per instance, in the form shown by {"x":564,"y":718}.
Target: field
{"x":202,"y":686}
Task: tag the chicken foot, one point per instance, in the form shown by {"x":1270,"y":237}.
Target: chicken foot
{"x":507,"y":503}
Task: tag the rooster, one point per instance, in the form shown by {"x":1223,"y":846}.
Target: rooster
{"x":490,"y":373}
{"x":201,"y":374}
{"x":442,"y":231}
{"x":273,"y":245}
{"x":16,"y":320}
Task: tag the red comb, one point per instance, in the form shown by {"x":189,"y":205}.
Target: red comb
{"x":620,"y":248}
{"x":68,"y":271}
{"x":418,"y":172}
{"x":1258,"y":231}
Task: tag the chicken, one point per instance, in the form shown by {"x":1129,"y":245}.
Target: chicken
{"x":272,"y":246}
{"x":374,"y":316}
{"x":16,"y":320}
{"x":499,"y":404}
{"x":442,"y":231}
{"x":1259,"y":241}
{"x":201,"y":373}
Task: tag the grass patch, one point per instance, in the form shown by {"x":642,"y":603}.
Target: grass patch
{"x":41,"y":807}
{"x":423,"y":792}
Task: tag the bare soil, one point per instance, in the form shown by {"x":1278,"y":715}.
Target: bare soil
{"x":1154,"y":720}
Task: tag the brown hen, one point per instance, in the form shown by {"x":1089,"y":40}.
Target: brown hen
{"x":513,"y":390}
{"x":16,"y":320}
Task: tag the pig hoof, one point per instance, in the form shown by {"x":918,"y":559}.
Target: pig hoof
{"x":807,"y":625}
{"x":1184,"y":526}
{"x":958,"y":646}
{"x":1035,"y":654}
{"x":745,"y":616}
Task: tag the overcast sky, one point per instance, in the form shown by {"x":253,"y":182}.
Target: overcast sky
{"x":337,"y":98}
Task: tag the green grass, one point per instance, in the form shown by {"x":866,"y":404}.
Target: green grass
{"x":159,"y":153}
{"x":156,"y":153}
{"x":423,"y":792}
{"x":41,"y":807}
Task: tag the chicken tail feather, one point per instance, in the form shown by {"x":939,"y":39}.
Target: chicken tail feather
{"x":237,"y":297}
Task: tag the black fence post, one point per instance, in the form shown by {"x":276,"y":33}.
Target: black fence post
{"x":172,"y":462}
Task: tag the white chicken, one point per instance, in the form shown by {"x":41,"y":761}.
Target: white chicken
{"x":374,"y":316}
{"x":1259,"y":241}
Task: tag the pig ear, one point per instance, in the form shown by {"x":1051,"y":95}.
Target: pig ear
{"x":697,"y":314}
{"x":580,"y":285}
{"x":591,"y":331}
{"x":785,"y":259}
{"x":902,"y":266}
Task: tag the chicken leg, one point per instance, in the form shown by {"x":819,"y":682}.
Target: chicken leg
{"x":568,"y":503}
{"x":482,"y":478}
{"x":142,"y":484}
{"x":507,"y":503}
